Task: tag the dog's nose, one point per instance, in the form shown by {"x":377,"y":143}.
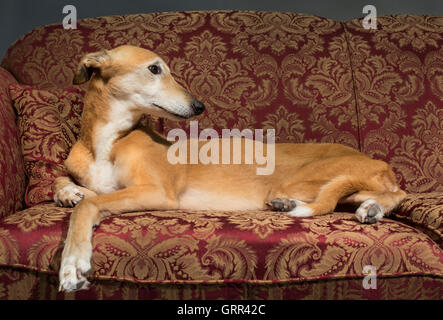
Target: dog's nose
{"x":198,"y":107}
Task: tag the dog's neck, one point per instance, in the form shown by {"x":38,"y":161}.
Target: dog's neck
{"x":105,"y":119}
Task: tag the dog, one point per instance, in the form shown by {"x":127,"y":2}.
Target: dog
{"x":116,"y":167}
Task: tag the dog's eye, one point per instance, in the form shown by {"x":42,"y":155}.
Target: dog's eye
{"x":155,"y":69}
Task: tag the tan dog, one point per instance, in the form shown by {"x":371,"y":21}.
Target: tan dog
{"x":118,"y":168}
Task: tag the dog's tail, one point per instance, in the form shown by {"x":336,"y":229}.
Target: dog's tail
{"x":380,"y":188}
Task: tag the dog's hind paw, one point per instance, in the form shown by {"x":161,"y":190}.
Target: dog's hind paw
{"x":284,"y":204}
{"x":369,"y":212}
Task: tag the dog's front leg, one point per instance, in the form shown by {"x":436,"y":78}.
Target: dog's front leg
{"x":77,"y":253}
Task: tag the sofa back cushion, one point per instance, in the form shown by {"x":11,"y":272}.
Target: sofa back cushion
{"x":286,"y":71}
{"x":12,"y":175}
{"x":48,"y":124}
{"x":398,"y":72}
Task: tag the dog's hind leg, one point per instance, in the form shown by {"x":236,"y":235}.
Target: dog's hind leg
{"x":329,"y":195}
{"x":374,"y":198}
{"x":76,"y":256}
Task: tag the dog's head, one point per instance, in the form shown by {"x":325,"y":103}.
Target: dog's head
{"x":139,"y":77}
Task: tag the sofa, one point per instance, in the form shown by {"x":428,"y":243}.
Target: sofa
{"x":311,"y":79}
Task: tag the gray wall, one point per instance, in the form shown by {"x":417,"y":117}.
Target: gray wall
{"x":17,"y":17}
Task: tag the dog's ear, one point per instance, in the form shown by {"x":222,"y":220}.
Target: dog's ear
{"x":92,"y":62}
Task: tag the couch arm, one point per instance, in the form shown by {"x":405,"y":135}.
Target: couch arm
{"x":12,"y":173}
{"x":425,"y":212}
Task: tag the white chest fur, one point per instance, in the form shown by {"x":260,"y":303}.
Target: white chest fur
{"x":102,"y":172}
{"x":103,"y":177}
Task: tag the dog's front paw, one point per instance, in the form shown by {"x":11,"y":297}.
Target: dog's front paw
{"x":73,"y":272}
{"x":68,"y":196}
{"x":369,"y":212}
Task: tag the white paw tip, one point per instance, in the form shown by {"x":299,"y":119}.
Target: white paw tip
{"x":83,"y":265}
{"x":72,"y":274}
{"x":301,"y":211}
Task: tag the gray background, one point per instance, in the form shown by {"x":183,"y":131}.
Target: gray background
{"x":17,"y":17}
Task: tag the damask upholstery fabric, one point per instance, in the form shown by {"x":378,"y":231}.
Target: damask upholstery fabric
{"x":398,"y":74}
{"x":267,"y":70}
{"x":12,"y":175}
{"x":48,"y":124}
{"x":21,"y":284}
{"x":191,"y":247}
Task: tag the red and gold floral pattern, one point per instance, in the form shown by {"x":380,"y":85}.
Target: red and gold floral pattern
{"x":12,"y":174}
{"x":398,"y":72}
{"x":48,"y":124}
{"x":242,"y":79}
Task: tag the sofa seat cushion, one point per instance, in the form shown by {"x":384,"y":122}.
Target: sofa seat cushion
{"x":218,"y":247}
